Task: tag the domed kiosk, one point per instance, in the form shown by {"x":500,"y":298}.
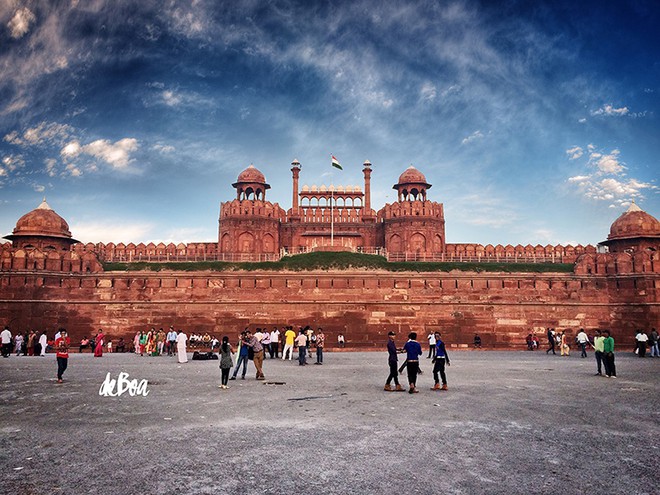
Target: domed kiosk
{"x":634,"y":230}
{"x":42,"y":229}
{"x":412,"y":185}
{"x":251,"y":184}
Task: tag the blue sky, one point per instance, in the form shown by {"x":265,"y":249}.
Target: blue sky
{"x":536,"y":122}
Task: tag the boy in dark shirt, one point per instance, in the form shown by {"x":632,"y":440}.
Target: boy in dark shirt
{"x":392,"y":361}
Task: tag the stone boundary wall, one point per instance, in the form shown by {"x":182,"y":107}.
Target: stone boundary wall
{"x":502,"y":308}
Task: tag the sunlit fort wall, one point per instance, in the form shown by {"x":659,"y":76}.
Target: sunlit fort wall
{"x":50,"y":280}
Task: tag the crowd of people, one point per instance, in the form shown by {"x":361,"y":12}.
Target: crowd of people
{"x":281,"y":344}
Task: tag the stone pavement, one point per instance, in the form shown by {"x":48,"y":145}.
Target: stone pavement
{"x":511,"y":422}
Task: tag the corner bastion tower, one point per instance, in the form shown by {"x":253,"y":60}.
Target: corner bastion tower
{"x":413,"y":224}
{"x":330,"y":218}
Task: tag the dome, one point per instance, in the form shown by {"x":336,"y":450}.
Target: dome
{"x":412,"y":176}
{"x":634,"y":223}
{"x":42,"y":221}
{"x":251,"y":174}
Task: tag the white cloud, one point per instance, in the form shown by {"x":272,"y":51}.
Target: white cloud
{"x":38,"y":188}
{"x":608,"y":182}
{"x":582,"y":120}
{"x":609,"y":110}
{"x":170,"y":98}
{"x":13,"y":162}
{"x":574,"y":153}
{"x":73,"y":170}
{"x":19,"y":25}
{"x":51,"y":165}
{"x":71,"y":150}
{"x":163,"y":148}
{"x":607,"y":164}
{"x":44,"y":133}
{"x":475,"y":135}
{"x":428,"y":91}
{"x":115,"y":154}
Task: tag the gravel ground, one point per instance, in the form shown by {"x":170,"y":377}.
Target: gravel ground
{"x":511,"y":422}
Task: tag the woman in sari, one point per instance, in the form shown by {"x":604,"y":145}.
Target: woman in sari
{"x":98,"y":350}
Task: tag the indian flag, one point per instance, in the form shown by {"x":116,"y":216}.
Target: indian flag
{"x":335,"y":162}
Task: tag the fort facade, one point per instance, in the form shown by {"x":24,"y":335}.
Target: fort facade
{"x":48,"y":279}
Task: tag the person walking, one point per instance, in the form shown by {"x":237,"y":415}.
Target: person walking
{"x":62,"y":353}
{"x":242,"y":357}
{"x":5,"y":337}
{"x":608,"y":351}
{"x":392,"y":361}
{"x":320,"y":342}
{"x":598,"y":351}
{"x":43,"y":342}
{"x":226,"y":362}
{"x":441,"y":357}
{"x":258,"y":352}
{"x":551,"y":341}
{"x":653,"y":343}
{"x":413,"y":351}
{"x":582,"y":340}
{"x":289,"y":338}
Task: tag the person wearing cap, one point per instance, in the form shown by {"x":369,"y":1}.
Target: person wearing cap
{"x":62,"y":353}
{"x":413,"y":350}
{"x":439,"y":363}
{"x":392,"y":361}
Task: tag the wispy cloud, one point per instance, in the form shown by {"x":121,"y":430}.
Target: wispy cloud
{"x":19,"y":25}
{"x":63,"y":140}
{"x":574,"y":153}
{"x":472,"y":137}
{"x":610,"y":110}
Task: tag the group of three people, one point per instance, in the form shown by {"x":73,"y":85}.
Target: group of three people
{"x":413,"y":350}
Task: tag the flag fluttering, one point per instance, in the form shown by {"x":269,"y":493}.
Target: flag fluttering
{"x":335,"y":162}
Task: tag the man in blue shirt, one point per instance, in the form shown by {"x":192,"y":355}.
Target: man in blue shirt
{"x":413,"y":350}
{"x":392,"y":361}
{"x":242,"y":357}
{"x":439,"y":367}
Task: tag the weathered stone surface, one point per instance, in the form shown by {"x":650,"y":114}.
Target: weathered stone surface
{"x":510,"y":423}
{"x":497,"y":307}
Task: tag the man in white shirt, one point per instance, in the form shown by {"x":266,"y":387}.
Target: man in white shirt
{"x":432,"y":342}
{"x":642,"y":340}
{"x":265,"y":342}
{"x":274,"y":342}
{"x":582,"y":340}
{"x":5,"y":338}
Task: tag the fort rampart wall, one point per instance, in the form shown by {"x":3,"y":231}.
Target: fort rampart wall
{"x":364,"y":305}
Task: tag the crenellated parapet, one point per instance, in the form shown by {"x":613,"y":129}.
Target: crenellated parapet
{"x":620,"y":263}
{"x":557,"y":253}
{"x":37,"y":260}
{"x":251,"y":208}
{"x":412,"y":209}
{"x":121,"y":252}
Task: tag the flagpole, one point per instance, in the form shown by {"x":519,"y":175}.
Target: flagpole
{"x":332,"y":210}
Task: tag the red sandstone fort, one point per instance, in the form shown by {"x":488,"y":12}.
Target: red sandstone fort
{"x":49,"y":280}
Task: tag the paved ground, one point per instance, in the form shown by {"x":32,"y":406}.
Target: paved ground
{"x":512,"y":422}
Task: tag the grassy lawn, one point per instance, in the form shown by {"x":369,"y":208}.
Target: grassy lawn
{"x":341,"y":261}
